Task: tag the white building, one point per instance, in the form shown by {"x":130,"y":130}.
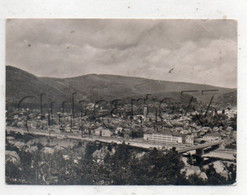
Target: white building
{"x":106,"y":133}
{"x":212,"y":137}
{"x":189,"y":139}
{"x":164,"y":137}
{"x":102,"y":132}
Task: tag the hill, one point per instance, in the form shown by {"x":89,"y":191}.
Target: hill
{"x":227,"y":99}
{"x":20,"y":84}
{"x":93,"y":87}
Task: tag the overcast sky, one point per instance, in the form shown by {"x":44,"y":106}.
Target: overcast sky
{"x":197,"y":51}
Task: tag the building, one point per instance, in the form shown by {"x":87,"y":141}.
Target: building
{"x":212,"y":137}
{"x":145,"y":112}
{"x":118,"y":130}
{"x":189,"y":139}
{"x":102,"y":132}
{"x":98,"y":131}
{"x":194,"y":170}
{"x":164,"y":137}
{"x":127,"y":133}
{"x":48,"y":150}
{"x":12,"y":156}
{"x":106,"y":133}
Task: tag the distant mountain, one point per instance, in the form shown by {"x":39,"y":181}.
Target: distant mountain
{"x":20,"y":84}
{"x":227,"y":99}
{"x":93,"y":87}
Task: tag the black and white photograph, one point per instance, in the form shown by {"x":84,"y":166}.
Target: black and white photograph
{"x":121,"y":102}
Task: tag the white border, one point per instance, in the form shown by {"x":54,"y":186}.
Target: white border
{"x":179,"y":9}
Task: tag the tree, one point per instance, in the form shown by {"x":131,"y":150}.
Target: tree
{"x":13,"y":173}
{"x":213,"y":177}
{"x":195,"y":180}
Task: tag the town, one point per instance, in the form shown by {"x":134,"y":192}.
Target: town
{"x":141,"y":126}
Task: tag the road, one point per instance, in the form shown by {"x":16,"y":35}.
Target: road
{"x":224,"y":154}
{"x":140,"y":143}
{"x":200,"y":146}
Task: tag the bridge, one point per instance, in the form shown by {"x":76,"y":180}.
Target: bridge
{"x":202,"y":151}
{"x":200,"y":148}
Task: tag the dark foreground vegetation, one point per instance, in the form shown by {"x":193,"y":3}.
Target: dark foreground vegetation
{"x":118,"y":165}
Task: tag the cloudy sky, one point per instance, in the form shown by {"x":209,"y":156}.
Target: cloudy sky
{"x":197,"y":51}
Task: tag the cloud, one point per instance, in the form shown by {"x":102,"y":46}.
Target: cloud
{"x":196,"y":49}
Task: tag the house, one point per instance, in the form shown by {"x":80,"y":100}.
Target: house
{"x":12,"y":156}
{"x":48,"y":150}
{"x":118,"y":129}
{"x":16,"y":117}
{"x":18,"y":144}
{"x":127,"y":134}
{"x":189,"y":139}
{"x":97,"y":131}
{"x":20,"y":124}
{"x":234,"y":135}
{"x":31,"y":149}
{"x":106,"y":133}
{"x":229,"y":130}
{"x":147,"y":136}
{"x":102,"y":132}
{"x":212,"y":136}
{"x":194,"y":170}
{"x":66,"y":157}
